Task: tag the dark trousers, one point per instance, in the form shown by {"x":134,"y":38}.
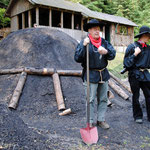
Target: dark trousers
{"x":135,"y":88}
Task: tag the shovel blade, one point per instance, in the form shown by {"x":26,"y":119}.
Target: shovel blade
{"x":89,"y":135}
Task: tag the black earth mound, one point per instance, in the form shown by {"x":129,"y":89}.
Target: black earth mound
{"x":36,"y":125}
{"x":38,"y":48}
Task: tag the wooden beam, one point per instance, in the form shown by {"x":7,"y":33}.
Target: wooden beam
{"x":62,"y":20}
{"x":18,"y":90}
{"x":120,"y":82}
{"x":118,"y":90}
{"x":82,"y":24}
{"x":23,"y":20}
{"x":11,"y":71}
{"x":50,"y":17}
{"x":43,"y":71}
{"x":72,"y":21}
{"x":58,"y":92}
{"x":37,"y":15}
{"x":29,"y":19}
{"x":70,"y":72}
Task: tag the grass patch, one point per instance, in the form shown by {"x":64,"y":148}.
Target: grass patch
{"x":116,"y":65}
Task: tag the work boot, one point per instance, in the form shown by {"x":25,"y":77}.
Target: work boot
{"x":103,"y":124}
{"x":140,"y":121}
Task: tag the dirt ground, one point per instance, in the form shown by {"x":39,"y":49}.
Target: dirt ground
{"x":36,"y":125}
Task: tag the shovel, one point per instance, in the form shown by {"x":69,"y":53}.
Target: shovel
{"x":89,"y":134}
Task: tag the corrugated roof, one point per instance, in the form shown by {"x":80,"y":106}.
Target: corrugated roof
{"x":77,"y":7}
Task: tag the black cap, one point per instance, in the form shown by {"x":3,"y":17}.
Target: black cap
{"x":143,"y":30}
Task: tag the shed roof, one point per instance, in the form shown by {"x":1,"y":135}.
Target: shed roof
{"x":77,"y":7}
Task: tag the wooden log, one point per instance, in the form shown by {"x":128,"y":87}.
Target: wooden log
{"x":110,"y":95}
{"x":120,"y":82}
{"x":117,"y":89}
{"x":11,"y":71}
{"x":70,"y":72}
{"x":35,"y":71}
{"x":58,"y":92}
{"x":16,"y":95}
{"x":65,"y":112}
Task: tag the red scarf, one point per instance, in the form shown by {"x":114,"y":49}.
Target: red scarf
{"x":142,"y":43}
{"x":97,"y":43}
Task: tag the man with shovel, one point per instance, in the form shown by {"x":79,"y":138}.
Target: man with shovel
{"x":137,"y":61}
{"x":100,"y":51}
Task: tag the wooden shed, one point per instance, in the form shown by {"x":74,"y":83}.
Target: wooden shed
{"x":69,"y":17}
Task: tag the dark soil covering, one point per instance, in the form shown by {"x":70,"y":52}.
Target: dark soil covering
{"x":36,"y":125}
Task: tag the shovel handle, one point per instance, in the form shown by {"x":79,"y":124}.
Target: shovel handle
{"x":88,"y":84}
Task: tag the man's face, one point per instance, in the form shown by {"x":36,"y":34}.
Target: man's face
{"x":94,"y":32}
{"x":147,"y":37}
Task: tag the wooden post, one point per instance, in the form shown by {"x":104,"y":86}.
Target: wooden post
{"x":44,"y":71}
{"x":118,"y":90}
{"x":23,"y":20}
{"x":29,"y":19}
{"x":62,"y":20}
{"x":37,"y":15}
{"x":50,"y":18}
{"x":58,"y":92}
{"x":104,"y":32}
{"x":15,"y":98}
{"x":82,"y":24}
{"x":72,"y":21}
{"x":70,"y":72}
{"x":120,"y":82}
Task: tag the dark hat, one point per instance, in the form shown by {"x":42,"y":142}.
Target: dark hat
{"x":92,"y":23}
{"x":143,"y":30}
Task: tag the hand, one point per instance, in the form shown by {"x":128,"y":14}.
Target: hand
{"x":137,"y":51}
{"x":86,"y":41}
{"x":102,"y":50}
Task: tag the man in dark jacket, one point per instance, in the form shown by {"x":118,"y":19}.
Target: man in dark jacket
{"x":100,"y":51}
{"x":137,"y":61}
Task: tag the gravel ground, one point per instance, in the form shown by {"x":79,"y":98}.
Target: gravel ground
{"x":36,"y":125}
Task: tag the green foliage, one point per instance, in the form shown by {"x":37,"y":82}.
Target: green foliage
{"x":4,"y":21}
{"x":5,"y":2}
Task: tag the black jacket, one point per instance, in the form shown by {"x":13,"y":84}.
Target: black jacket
{"x":134,"y":64}
{"x":95,"y":63}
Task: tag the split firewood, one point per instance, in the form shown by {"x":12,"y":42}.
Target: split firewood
{"x":117,"y":89}
{"x":70,"y":72}
{"x":65,"y":112}
{"x":58,"y":92}
{"x":16,"y":95}
{"x":35,"y":71}
{"x":120,"y":82}
{"x":11,"y":71}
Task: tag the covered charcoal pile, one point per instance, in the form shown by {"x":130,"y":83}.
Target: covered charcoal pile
{"x":39,"y":48}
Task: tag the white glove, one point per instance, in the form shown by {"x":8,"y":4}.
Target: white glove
{"x":86,"y":41}
{"x":102,"y":50}
{"x":137,"y":51}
